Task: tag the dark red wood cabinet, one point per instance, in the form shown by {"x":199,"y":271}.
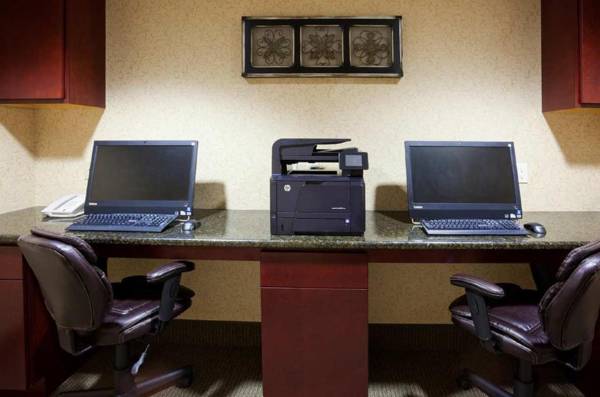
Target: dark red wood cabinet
{"x":570,"y":54}
{"x":13,"y":371}
{"x":29,"y":350}
{"x":52,"y":51}
{"x":314,"y":324}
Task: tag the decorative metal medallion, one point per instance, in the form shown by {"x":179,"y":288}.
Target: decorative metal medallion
{"x":371,"y":46}
{"x":273,"y":46}
{"x":322,"y":46}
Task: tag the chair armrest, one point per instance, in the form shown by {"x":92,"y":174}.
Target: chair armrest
{"x":477,"y":290}
{"x":169,"y":270}
{"x":478,"y":286}
{"x":170,"y":275}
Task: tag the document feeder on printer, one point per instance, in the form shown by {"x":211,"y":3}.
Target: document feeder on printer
{"x":317,"y":200}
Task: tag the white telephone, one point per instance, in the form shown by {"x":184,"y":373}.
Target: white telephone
{"x":66,"y":207}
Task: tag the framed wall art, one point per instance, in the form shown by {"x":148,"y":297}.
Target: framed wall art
{"x":322,"y":46}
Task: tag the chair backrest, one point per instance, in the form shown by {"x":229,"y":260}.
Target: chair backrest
{"x":77,"y":293}
{"x":570,"y":307}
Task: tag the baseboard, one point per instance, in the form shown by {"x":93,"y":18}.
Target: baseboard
{"x":213,"y":333}
{"x":427,"y":337}
{"x":419,"y":337}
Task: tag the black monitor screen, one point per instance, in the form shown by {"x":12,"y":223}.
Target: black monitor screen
{"x":462,"y":174}
{"x":142,"y":172}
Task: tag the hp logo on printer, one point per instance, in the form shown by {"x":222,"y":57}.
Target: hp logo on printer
{"x":287,"y":188}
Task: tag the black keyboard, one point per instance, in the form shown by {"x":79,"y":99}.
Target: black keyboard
{"x":123,"y":222}
{"x":502,"y":227}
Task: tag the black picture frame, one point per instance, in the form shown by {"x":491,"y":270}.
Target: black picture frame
{"x":295,"y":68}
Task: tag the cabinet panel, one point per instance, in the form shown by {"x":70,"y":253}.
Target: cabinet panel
{"x":590,"y":51}
{"x":314,"y":309}
{"x":85,"y":52}
{"x":13,"y":375}
{"x":314,"y":270}
{"x":11,"y":263}
{"x":314,"y":342}
{"x":560,"y":54}
{"x":32,"y":49}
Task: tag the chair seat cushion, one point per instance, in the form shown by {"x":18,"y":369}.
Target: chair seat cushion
{"x":515,"y":322}
{"x":135,"y":309}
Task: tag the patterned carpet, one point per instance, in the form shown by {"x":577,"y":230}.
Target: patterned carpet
{"x":235,"y":372}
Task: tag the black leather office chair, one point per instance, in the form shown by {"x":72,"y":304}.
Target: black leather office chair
{"x":89,"y":311}
{"x":535,"y":329}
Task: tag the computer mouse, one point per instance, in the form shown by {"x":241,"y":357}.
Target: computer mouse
{"x":535,"y":228}
{"x":189,"y":225}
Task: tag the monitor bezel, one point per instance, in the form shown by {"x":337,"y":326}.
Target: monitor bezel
{"x":462,"y":210}
{"x":142,"y":206}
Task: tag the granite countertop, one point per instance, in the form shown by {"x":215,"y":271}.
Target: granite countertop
{"x":384,"y":230}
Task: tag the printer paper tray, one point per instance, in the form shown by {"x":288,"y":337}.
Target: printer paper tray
{"x":339,"y":225}
{"x":320,"y":226}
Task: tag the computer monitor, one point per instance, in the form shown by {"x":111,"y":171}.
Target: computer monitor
{"x":142,"y":177}
{"x":453,"y":180}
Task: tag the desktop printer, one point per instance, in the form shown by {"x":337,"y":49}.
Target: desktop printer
{"x":309,"y":195}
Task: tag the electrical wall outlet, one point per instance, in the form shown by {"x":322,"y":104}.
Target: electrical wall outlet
{"x":523,"y":172}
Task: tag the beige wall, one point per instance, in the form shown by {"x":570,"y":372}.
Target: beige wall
{"x":17,"y":144}
{"x":472,"y":71}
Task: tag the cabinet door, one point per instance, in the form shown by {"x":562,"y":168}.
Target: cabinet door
{"x":314,"y":342}
{"x":590,"y":51}
{"x":314,"y":309}
{"x":12,"y":336}
{"x":32,"y":49}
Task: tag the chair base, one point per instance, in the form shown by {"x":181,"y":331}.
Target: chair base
{"x":124,"y":381}
{"x":523,"y":383}
{"x":181,"y":377}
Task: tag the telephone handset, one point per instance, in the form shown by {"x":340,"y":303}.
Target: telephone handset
{"x":66,"y":207}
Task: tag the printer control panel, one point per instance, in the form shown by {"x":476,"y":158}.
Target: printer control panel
{"x":354,"y":161}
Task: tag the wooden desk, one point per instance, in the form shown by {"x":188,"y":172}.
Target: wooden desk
{"x":313,"y":289}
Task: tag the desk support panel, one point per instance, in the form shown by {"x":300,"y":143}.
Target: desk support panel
{"x":29,"y":349}
{"x":13,"y":374}
{"x":314,"y":324}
